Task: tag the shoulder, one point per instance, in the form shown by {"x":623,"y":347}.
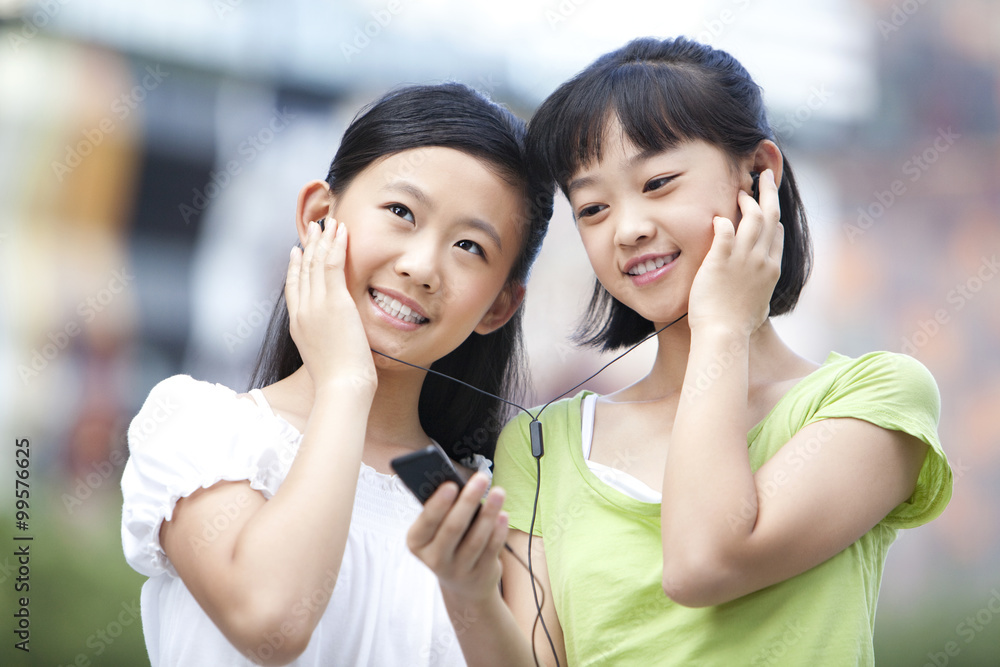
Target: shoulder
{"x":560,"y":424}
{"x":885,"y":381}
{"x":189,"y":435}
{"x":181,"y":403}
{"x":881,"y":364}
{"x":556,"y":417}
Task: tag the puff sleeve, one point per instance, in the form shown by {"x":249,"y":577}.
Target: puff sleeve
{"x":190,"y":435}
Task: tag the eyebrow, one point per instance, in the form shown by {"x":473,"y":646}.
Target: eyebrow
{"x":585,"y":181}
{"x":485,"y":228}
{"x":410,"y":189}
{"x":421,"y":196}
{"x":578,"y":183}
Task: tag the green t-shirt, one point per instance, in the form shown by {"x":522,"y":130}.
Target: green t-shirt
{"x":604,"y":554}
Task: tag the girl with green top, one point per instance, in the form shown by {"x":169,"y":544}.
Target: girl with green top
{"x":734,"y":506}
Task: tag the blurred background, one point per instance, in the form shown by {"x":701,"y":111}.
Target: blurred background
{"x":151,"y":153}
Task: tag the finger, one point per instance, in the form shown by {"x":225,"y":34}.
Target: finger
{"x":751,"y":222}
{"x":292,"y":282}
{"x":777,"y":244}
{"x":317,"y":268}
{"x":501,"y":527}
{"x":479,"y":533}
{"x":725,"y":233}
{"x":770,"y":205}
{"x":425,"y":527}
{"x":308,"y":253}
{"x":454,"y":526}
{"x":336,"y":257}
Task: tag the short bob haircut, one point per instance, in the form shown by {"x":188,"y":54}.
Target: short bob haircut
{"x":463,"y":420}
{"x":663,"y":93}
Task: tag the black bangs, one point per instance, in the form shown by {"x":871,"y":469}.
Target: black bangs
{"x":659,"y":103}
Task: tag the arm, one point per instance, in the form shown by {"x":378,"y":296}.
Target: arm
{"x":264,"y":571}
{"x":726,"y":530}
{"x":492,"y":629}
{"x":520,"y":598}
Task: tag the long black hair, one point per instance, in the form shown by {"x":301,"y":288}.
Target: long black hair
{"x":450,"y":115}
{"x":663,"y":92}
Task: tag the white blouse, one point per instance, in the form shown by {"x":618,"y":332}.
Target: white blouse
{"x":386,"y":608}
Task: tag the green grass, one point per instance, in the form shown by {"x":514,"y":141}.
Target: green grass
{"x":79,"y":583}
{"x":936,"y":626}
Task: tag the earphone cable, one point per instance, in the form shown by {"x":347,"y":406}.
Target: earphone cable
{"x":538,"y":459}
{"x":512,"y":403}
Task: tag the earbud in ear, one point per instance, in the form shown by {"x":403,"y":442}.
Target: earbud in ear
{"x":755,"y":187}
{"x":321,"y":222}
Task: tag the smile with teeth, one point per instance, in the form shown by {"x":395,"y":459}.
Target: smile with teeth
{"x":393,"y":308}
{"x":651,"y":264}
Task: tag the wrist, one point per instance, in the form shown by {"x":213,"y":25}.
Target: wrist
{"x":728,"y":333}
{"x":351,"y":388}
{"x":461,"y":600}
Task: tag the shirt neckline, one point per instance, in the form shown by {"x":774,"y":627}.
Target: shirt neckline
{"x":624,"y":501}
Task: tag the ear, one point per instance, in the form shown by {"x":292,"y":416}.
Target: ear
{"x":315,"y":201}
{"x":503,"y":308}
{"x":768,"y":156}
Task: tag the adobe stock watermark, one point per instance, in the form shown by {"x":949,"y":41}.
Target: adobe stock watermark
{"x":487,"y":84}
{"x":561,"y":12}
{"x":259,"y":315}
{"x":774,"y":652}
{"x":445,"y":642}
{"x":44,"y":13}
{"x":102,"y":638}
{"x":901,"y":13}
{"x":101,"y":471}
{"x":958,"y":297}
{"x":720,"y":363}
{"x":363,"y":35}
{"x":967,"y":629}
{"x":715,"y":27}
{"x":912,"y":169}
{"x":121,"y":108}
{"x":792,"y":121}
{"x":795,"y":456}
{"x":472,"y":443}
{"x":6,"y":570}
{"x":300,"y":611}
{"x":212,"y":527}
{"x":219,"y":523}
{"x":225,"y":7}
{"x":88,"y":310}
{"x":248,"y":150}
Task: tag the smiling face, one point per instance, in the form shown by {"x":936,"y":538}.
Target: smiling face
{"x":432,"y":236}
{"x":646,"y":219}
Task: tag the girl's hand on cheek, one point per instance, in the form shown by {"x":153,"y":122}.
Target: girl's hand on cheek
{"x":323,"y":318}
{"x":733,"y":286}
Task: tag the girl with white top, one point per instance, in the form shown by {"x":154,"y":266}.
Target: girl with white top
{"x":269,"y":523}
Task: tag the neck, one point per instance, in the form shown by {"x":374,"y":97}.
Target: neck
{"x":769,"y":358}
{"x":393,"y":420}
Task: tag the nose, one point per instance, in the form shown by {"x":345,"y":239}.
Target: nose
{"x":420,"y":262}
{"x":632,"y":228}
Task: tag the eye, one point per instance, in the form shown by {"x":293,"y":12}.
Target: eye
{"x":472,"y":247}
{"x":590,"y":211}
{"x":656,"y":183}
{"x":401,"y":211}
